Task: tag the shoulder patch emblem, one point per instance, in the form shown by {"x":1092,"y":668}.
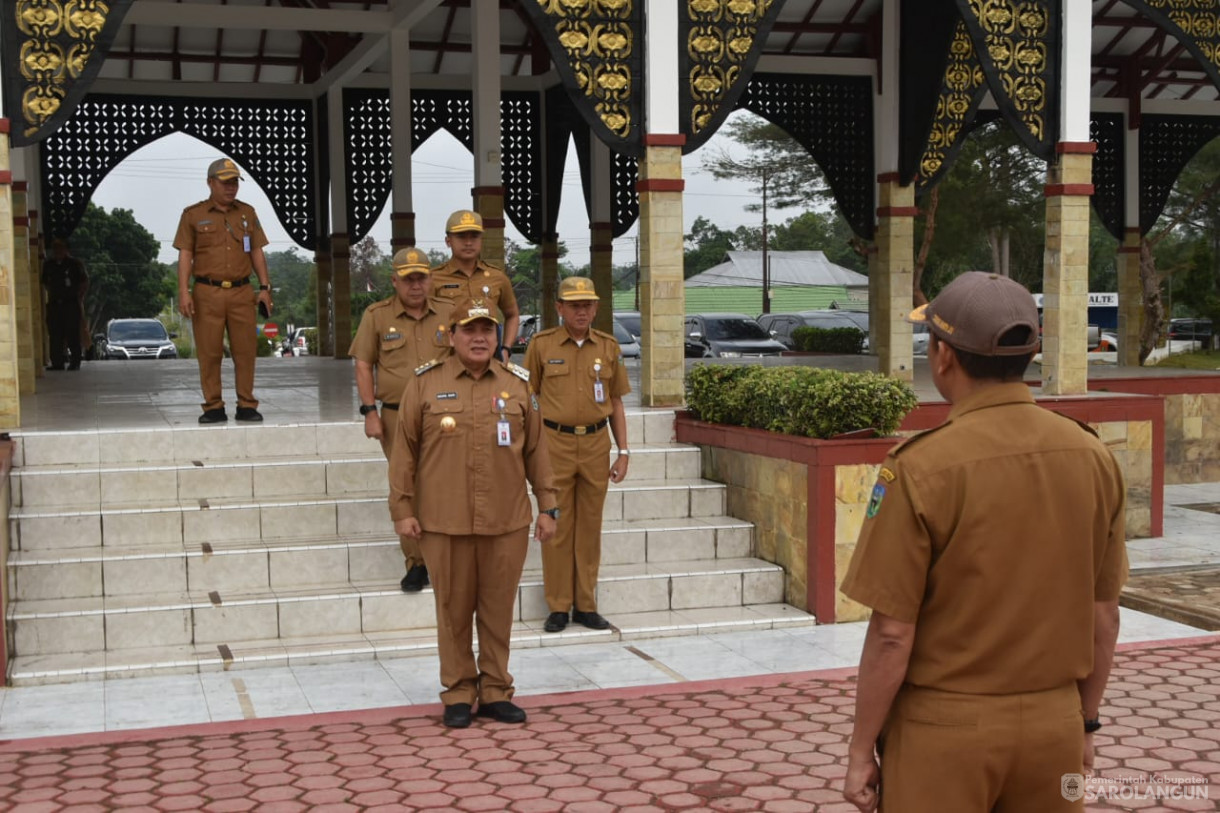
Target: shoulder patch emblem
{"x":886,"y":474}
{"x":874,"y":502}
{"x":517,"y":370}
{"x":426,"y":366}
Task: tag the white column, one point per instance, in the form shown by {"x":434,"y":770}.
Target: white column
{"x":338,"y":161}
{"x":485,"y":15}
{"x":400,"y":117}
{"x":1076,"y":78}
{"x":661,"y":67}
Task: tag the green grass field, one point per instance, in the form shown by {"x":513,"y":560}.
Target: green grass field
{"x":1198,"y":360}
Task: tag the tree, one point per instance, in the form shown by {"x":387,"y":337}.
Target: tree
{"x":125,"y":278}
{"x":706,"y":246}
{"x":294,"y":281}
{"x":370,"y":268}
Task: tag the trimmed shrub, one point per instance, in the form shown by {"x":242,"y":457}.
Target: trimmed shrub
{"x":844,"y":340}
{"x":265,"y":347}
{"x":805,"y":401}
{"x":184,"y":347}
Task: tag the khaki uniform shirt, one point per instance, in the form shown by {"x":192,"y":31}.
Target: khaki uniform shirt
{"x":450,"y":286}
{"x":216,"y":239}
{"x":395,"y":343}
{"x":994,"y":534}
{"x":461,"y":481}
{"x":564,"y":373}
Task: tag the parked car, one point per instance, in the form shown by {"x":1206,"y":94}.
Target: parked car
{"x":527,"y":326}
{"x":626,"y":342}
{"x":919,"y":339}
{"x":1195,"y":330}
{"x":631,"y":320}
{"x":781,"y":325}
{"x":135,"y":339}
{"x":728,"y":335}
{"x":300,"y":341}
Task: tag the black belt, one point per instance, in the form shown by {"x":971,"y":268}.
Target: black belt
{"x":384,"y":405}
{"x":588,"y":429}
{"x":224,"y":283}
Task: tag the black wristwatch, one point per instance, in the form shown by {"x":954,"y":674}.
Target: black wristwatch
{"x":553,"y":513}
{"x":1092,"y":725}
{"x":365,"y":409}
{"x":264,"y":287}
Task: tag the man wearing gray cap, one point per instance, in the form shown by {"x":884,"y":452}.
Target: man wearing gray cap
{"x":992,"y":555}
{"x":220,"y":243}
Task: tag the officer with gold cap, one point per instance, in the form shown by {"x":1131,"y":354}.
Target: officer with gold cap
{"x":220,"y":244}
{"x":469,"y":437}
{"x":397,"y":335}
{"x":465,"y":276}
{"x":579,"y":377}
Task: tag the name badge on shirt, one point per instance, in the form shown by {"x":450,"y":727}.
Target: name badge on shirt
{"x":446,"y":396}
{"x":245,"y":243}
{"x":599,"y":389}
{"x":504,"y":435}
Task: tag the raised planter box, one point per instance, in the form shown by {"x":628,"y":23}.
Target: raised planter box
{"x":807,"y":497}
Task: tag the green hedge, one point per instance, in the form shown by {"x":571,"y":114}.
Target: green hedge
{"x":845,"y":340}
{"x":805,"y":401}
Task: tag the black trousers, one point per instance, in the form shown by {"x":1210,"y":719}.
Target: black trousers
{"x":63,"y":326}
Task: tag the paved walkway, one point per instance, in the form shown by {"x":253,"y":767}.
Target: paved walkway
{"x":768,"y":742}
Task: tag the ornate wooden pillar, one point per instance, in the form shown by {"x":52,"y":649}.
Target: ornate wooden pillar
{"x":488,"y":201}
{"x":322,"y":262}
{"x":549,"y":251}
{"x":341,"y":294}
{"x":601,"y":269}
{"x":10,"y":399}
{"x":402,"y":214}
{"x":1130,"y":299}
{"x":402,"y":230}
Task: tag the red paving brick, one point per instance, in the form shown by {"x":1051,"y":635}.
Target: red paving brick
{"x":764,"y":743}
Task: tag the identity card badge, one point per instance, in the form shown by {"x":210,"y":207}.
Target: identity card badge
{"x":599,"y":389}
{"x":504,"y":436}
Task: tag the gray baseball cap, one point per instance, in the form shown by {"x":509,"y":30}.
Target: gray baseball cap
{"x":973,"y":311}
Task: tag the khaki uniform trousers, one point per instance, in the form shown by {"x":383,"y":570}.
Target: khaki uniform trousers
{"x":475,"y":576}
{"x":217,"y":310}
{"x":945,"y":751}
{"x":389,"y":428}
{"x":570,"y":561}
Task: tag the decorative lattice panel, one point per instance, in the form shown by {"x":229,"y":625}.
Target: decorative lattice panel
{"x":273,"y":140}
{"x":1167,"y":143}
{"x":1195,"y":23}
{"x":597,"y":47}
{"x":51,"y":52}
{"x":723,"y":40}
{"x":369,"y":166}
{"x":1017,"y":44}
{"x":832,"y":118}
{"x":1109,"y":176}
{"x":521,"y":149}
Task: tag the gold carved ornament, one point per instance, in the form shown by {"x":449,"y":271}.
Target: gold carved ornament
{"x":1199,"y":20}
{"x":1015,"y":34}
{"x":59,"y":38}
{"x":722,"y":34}
{"x":963,"y":78}
{"x":596,"y":36}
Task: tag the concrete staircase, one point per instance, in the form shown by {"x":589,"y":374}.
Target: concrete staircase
{"x":137,"y":552}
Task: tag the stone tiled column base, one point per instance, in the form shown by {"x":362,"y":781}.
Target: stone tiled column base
{"x":1130,"y":300}
{"x":41,"y":354}
{"x":323,"y":263}
{"x":10,"y":398}
{"x":402,"y":230}
{"x":894,"y":267}
{"x":489,"y":202}
{"x":341,"y":294}
{"x":662,"y":291}
{"x":601,"y":269}
{"x":1065,"y":271}
{"x":25,"y":296}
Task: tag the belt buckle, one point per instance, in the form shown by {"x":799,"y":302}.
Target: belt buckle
{"x":226,"y":284}
{"x":580,"y":430}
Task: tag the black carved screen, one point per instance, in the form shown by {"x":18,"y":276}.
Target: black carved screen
{"x":273,"y":140}
{"x":624,"y":172}
{"x":1167,"y":143}
{"x":1109,"y":174}
{"x":370,"y":166}
{"x":832,"y":118}
{"x":521,"y":147}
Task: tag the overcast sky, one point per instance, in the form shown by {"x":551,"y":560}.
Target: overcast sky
{"x":162,"y":178}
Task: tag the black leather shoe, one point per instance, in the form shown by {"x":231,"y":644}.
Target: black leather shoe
{"x":556,"y":622}
{"x":213,"y":416}
{"x":415,"y":580}
{"x":502,"y":711}
{"x":249,"y":414}
{"x":591,"y":620}
{"x":457,"y":715}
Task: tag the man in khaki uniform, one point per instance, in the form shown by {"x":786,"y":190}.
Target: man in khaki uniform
{"x":397,"y":335}
{"x":579,"y":376}
{"x":992,"y":556}
{"x":469,"y":436}
{"x":465,"y":276}
{"x":220,"y":243}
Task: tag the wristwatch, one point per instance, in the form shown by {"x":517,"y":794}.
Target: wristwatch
{"x":1092,"y":725}
{"x":625,"y":452}
{"x":365,"y":409}
{"x":553,"y":513}
{"x":264,"y":287}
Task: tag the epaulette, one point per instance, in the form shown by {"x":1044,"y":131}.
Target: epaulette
{"x":193,"y":205}
{"x":602,"y":334}
{"x":547,"y":332}
{"x":913,"y":439}
{"x":380,"y":303}
{"x":1085,"y":426}
{"x":492,"y":266}
{"x":517,"y":370}
{"x":428,"y":365}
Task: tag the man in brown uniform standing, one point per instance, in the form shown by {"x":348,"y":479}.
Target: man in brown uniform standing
{"x":469,"y":436}
{"x":220,"y":243}
{"x":465,"y":276}
{"x":992,"y":556}
{"x":579,"y":376}
{"x":397,"y":335}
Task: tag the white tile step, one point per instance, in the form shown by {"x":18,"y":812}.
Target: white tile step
{"x":76,"y":666}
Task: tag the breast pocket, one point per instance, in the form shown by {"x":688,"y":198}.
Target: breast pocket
{"x":207,"y":235}
{"x":449,"y":293}
{"x":392,"y":342}
{"x":555,"y":371}
{"x":446,"y":421}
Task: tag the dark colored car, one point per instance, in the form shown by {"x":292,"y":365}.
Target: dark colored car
{"x":630,"y":320}
{"x":728,"y":335}
{"x":136,"y":339}
{"x":1195,"y":330}
{"x":781,"y":325}
{"x":527,"y":326}
{"x":626,"y":342}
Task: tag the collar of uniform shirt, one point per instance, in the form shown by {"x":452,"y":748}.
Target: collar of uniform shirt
{"x":589,"y":337}
{"x":1015,"y":392}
